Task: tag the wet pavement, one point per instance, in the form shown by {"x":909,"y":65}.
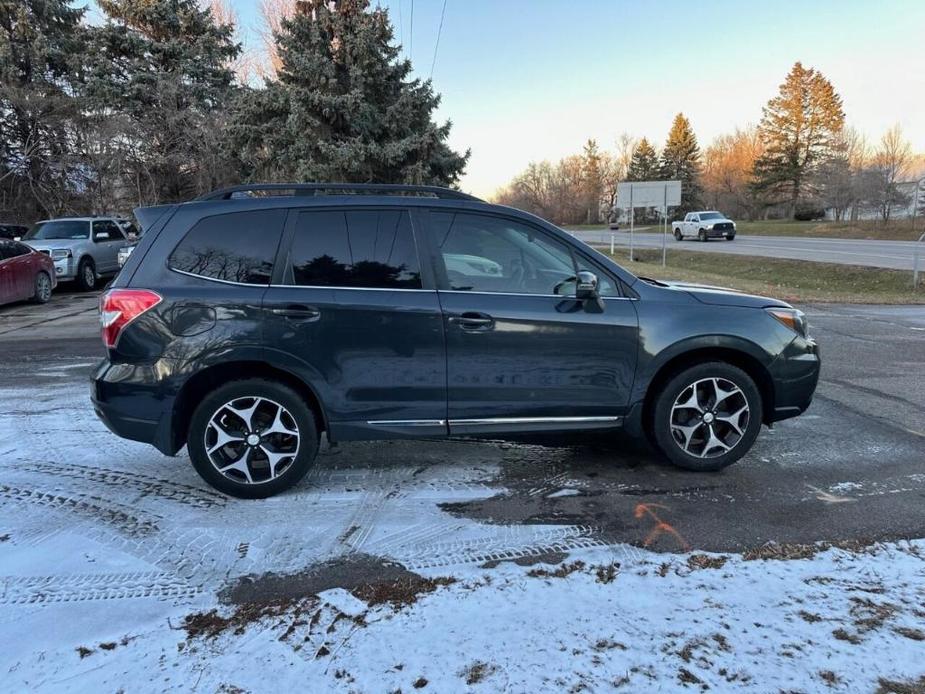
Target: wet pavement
{"x":77,"y":503}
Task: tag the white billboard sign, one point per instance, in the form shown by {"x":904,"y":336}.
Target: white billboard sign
{"x":658,"y":194}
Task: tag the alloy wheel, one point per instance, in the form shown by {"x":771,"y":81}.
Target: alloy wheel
{"x":89,"y":275}
{"x":252,"y":440}
{"x":43,"y":287}
{"x":709,"y":417}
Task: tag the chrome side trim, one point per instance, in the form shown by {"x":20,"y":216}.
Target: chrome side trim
{"x":354,"y":289}
{"x":542,"y":296}
{"x":532,"y":420}
{"x":408,"y":422}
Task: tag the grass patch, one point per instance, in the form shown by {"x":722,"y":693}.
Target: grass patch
{"x":790,"y":280}
{"x":894,"y":230}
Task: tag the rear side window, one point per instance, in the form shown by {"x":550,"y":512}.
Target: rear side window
{"x":372,"y":249}
{"x":237,"y":247}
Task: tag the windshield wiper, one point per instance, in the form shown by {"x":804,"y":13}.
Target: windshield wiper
{"x":657,"y":283}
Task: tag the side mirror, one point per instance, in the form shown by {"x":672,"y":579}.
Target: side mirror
{"x":586,"y":286}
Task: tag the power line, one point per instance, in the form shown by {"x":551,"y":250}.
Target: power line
{"x":437,"y":44}
{"x":401,"y":28}
{"x":411,"y":33}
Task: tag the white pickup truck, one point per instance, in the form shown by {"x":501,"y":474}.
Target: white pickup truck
{"x":704,"y":226}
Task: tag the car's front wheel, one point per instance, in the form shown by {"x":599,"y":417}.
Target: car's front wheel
{"x":42,"y":288}
{"x":702,"y":235}
{"x":678,"y":236}
{"x":253,"y":438}
{"x":707,"y":416}
{"x":86,"y":275}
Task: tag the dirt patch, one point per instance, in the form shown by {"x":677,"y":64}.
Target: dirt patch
{"x":829,"y":677}
{"x":477,"y":672}
{"x":909,"y":633}
{"x":351,"y":573}
{"x":810,"y":617}
{"x":787,"y":551}
{"x":869,"y":615}
{"x":531,"y":560}
{"x":561,"y":572}
{"x":400,"y":592}
{"x":705,"y":561}
{"x":845,"y":635}
{"x":211,"y":624}
{"x":901,"y":687}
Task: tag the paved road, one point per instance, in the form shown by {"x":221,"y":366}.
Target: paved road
{"x":897,"y":255}
{"x":853,"y":467}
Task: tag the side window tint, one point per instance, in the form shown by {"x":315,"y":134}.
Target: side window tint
{"x":237,"y":247}
{"x":18,"y":249}
{"x":492,"y":254}
{"x":373,"y":249}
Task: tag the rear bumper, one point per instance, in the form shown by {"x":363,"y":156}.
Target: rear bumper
{"x":134,"y":404}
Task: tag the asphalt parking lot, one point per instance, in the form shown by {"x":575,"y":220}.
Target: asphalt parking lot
{"x":851,"y":468}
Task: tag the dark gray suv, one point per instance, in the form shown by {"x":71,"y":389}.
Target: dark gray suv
{"x":251,"y":320}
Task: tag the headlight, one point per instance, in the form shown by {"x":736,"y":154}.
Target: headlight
{"x":792,"y":318}
{"x":60,"y":253}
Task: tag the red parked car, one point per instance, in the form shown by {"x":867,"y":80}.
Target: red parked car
{"x":25,"y":273}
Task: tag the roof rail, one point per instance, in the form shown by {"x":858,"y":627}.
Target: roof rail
{"x":336,"y":189}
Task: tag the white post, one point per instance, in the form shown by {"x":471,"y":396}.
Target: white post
{"x":665,"y":228}
{"x":915,"y":262}
{"x":632,"y":221}
{"x":612,"y":236}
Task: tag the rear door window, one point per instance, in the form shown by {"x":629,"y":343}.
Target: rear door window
{"x":369,"y":249}
{"x":237,"y":247}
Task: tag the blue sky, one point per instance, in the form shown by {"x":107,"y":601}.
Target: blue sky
{"x":531,"y":80}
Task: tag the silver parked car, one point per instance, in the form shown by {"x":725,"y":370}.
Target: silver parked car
{"x":84,"y":249}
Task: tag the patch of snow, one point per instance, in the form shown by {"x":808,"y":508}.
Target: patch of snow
{"x":563,"y":492}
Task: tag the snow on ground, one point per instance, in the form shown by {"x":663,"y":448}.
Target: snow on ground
{"x":113,"y":558}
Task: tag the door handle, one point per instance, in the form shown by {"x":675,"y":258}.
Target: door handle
{"x":297,"y":312}
{"x":472,"y":320}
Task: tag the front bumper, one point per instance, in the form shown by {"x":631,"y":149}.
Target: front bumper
{"x":135,"y":403}
{"x":64,"y":269}
{"x":796,"y":375}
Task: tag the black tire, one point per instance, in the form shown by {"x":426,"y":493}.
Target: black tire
{"x":678,"y":236}
{"x":702,"y":235}
{"x":233,"y":482}
{"x":665,"y":435}
{"x":42,"y":288}
{"x":86,"y":275}
{"x":731,"y":237}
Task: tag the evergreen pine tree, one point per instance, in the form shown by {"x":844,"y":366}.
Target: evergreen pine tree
{"x":592,"y":181}
{"x":680,"y":161}
{"x":342,"y":107}
{"x":163,"y":67}
{"x":798,"y":129}
{"x":644,"y":164}
{"x":42,"y":46}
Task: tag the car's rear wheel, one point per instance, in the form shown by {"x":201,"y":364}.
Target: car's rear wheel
{"x":707,"y":416}
{"x":252,"y":439}
{"x":42,"y":288}
{"x":86,"y":275}
{"x":678,"y":236}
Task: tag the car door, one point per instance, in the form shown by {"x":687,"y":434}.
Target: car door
{"x":22,"y":271}
{"x":352,"y":306}
{"x":8,"y":291}
{"x":107,"y":240}
{"x":522,"y":352}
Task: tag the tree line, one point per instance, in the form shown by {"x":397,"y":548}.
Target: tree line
{"x":798,"y":162}
{"x":154,"y":105}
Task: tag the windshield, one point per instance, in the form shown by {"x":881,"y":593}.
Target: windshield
{"x":61,"y":229}
{"x":710,"y":215}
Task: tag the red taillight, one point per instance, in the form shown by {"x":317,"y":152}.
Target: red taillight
{"x":119,"y":307}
